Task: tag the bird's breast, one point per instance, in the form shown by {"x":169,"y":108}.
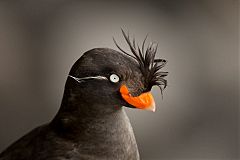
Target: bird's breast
{"x":109,"y":138}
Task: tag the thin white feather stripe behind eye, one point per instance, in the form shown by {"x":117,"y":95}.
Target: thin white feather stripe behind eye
{"x":86,"y":78}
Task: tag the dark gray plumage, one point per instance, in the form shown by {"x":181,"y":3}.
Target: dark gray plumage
{"x":91,"y":123}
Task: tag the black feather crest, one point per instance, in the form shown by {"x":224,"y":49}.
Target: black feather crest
{"x":148,"y":64}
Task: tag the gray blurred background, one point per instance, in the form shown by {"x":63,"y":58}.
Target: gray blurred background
{"x":198,"y":115}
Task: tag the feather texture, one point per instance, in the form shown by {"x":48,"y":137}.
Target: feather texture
{"x":149,"y":66}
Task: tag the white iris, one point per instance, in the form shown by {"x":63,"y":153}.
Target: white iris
{"x":114,"y":78}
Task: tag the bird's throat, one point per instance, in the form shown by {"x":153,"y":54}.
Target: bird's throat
{"x":104,"y":129}
{"x":77,"y":117}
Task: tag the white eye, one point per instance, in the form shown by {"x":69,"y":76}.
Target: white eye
{"x":114,"y":78}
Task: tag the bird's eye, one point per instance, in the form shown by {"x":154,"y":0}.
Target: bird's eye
{"x":114,"y":78}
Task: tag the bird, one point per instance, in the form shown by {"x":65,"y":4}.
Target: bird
{"x":91,"y":123}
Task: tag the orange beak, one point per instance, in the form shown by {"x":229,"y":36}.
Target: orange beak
{"x":143,"y":101}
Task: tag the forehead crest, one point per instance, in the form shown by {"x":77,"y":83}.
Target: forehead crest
{"x":149,"y":66}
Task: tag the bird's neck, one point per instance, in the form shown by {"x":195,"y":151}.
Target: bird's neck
{"x":96,"y":129}
{"x":77,"y":116}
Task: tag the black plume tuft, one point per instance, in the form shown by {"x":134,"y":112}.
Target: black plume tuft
{"x":148,"y":64}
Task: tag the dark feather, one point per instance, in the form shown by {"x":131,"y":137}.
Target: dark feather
{"x":149,"y":66}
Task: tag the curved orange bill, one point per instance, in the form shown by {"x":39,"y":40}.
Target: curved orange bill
{"x":143,"y":101}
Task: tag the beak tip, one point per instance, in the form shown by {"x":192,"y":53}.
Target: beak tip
{"x":152,"y":107}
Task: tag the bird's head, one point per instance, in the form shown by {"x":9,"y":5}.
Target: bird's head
{"x":108,"y":77}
